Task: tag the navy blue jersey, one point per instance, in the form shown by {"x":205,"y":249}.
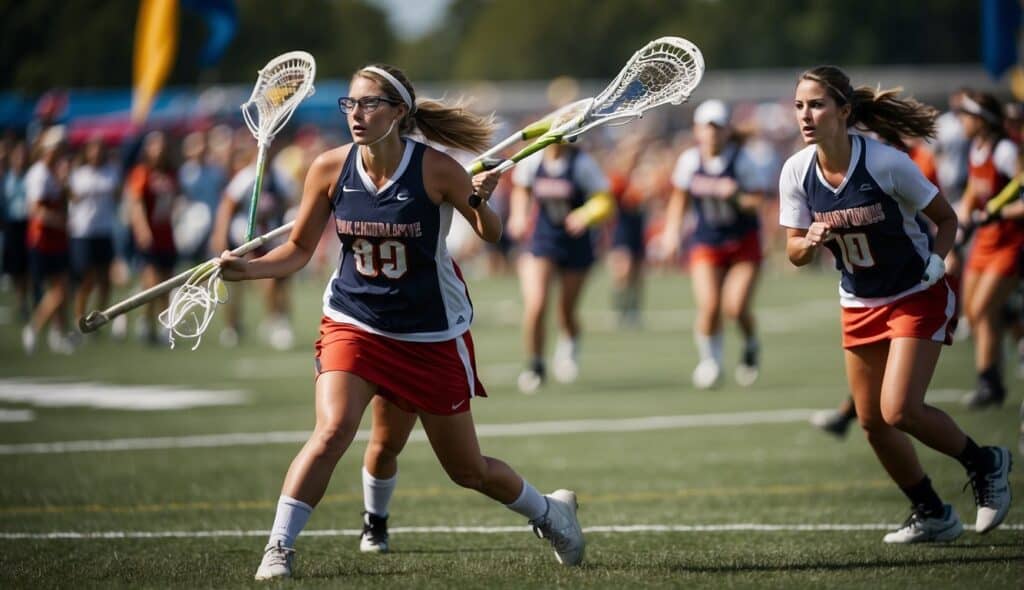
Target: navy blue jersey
{"x":719,"y":220}
{"x":395,"y":277}
{"x":556,"y":196}
{"x":881,"y":243}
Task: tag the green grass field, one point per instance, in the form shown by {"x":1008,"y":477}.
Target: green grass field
{"x":193,"y":512}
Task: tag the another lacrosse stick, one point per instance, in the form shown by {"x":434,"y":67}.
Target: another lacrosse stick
{"x":666,"y":70}
{"x":282,"y":84}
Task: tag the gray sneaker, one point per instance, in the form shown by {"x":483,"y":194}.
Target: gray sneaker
{"x":561,"y":528}
{"x":277,"y":562}
{"x":919,"y":528}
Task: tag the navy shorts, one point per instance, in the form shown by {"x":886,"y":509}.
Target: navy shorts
{"x":629,"y":233}
{"x":163,"y":261}
{"x":575,"y":254}
{"x":15,"y":261}
{"x":47,"y":264}
{"x":91,"y":254}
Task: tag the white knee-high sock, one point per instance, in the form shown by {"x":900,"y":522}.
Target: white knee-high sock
{"x":530,"y":503}
{"x":289,"y":521}
{"x":377,"y":493}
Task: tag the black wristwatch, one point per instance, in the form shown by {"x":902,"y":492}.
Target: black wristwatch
{"x":475,"y":200}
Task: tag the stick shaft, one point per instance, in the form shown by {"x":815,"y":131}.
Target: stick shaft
{"x":257,"y":186}
{"x":97,"y":319}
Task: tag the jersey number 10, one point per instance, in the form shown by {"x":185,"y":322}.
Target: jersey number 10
{"x":855,"y":250}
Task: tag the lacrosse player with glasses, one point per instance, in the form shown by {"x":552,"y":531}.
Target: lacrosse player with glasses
{"x":396,"y":312}
{"x":864,"y":201}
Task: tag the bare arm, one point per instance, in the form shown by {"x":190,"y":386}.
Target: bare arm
{"x":941,"y":213}
{"x":802,"y":244}
{"x":222,"y":224}
{"x":672,"y":239}
{"x":448,"y":180}
{"x":314,"y":211}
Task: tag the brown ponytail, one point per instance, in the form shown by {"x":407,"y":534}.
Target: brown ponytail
{"x":450,"y":125}
{"x":874,"y":109}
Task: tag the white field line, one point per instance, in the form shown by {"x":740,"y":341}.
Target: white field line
{"x":62,"y":393}
{"x":17,"y":415}
{"x":483,"y":530}
{"x":521,"y":429}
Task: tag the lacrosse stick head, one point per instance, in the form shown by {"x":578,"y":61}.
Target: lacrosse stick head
{"x":281,"y":85}
{"x":666,"y":70}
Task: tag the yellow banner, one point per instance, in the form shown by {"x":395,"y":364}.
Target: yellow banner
{"x":156,"y":46}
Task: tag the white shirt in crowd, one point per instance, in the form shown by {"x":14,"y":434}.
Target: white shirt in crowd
{"x":93,"y":209}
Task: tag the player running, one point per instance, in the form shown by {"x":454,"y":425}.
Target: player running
{"x":861,"y":199}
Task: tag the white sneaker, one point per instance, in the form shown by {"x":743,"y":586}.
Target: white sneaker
{"x":228,"y":337}
{"x":277,"y":562}
{"x":561,"y":528}
{"x":992,"y":491}
{"x":529,"y":381}
{"x":59,"y":343}
{"x":281,"y":336}
{"x":707,"y":374}
{"x":28,"y":339}
{"x":746,"y":375}
{"x":920,"y":529}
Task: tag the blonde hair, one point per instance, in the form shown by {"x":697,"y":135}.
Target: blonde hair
{"x":883,"y":111}
{"x":450,"y":125}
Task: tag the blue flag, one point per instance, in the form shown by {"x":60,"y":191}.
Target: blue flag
{"x":221,"y":18}
{"x":1000,"y":24}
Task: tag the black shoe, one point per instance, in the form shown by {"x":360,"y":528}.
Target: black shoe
{"x":984,"y":397}
{"x":375,"y":534}
{"x":833,"y":422}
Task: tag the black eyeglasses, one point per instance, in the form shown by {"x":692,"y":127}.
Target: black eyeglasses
{"x":369,"y":104}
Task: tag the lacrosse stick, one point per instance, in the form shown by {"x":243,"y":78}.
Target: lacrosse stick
{"x":281,"y":85}
{"x":666,"y":70}
{"x":97,"y":319}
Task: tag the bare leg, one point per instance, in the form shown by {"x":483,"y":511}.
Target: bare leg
{"x":571,"y":288}
{"x":535,"y":279}
{"x":391,"y":429}
{"x":737,"y":294}
{"x":341,"y":399}
{"x":908,"y":372}
{"x":865,"y":371}
{"x":455,"y":444}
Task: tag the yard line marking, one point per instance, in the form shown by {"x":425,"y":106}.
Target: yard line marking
{"x":483,"y":430}
{"x":482,"y":530}
{"x":17,"y":415}
{"x":60,"y":394}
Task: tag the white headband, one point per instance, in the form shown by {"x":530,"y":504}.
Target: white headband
{"x":394,"y":82}
{"x":971,"y":106}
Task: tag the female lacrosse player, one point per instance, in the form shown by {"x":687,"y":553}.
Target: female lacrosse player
{"x":722,"y":182}
{"x":571,"y":195}
{"x":152,"y":189}
{"x":992,"y":266}
{"x":862,"y":199}
{"x":396,"y":312}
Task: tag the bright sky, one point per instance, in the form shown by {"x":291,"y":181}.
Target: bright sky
{"x":413,"y":18}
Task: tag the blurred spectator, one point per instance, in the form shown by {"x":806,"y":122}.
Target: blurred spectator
{"x":202,"y":181}
{"x":152,"y":190}
{"x":951,"y":146}
{"x":229,"y":231}
{"x":15,"y":223}
{"x":94,"y":186}
{"x":47,"y":241}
